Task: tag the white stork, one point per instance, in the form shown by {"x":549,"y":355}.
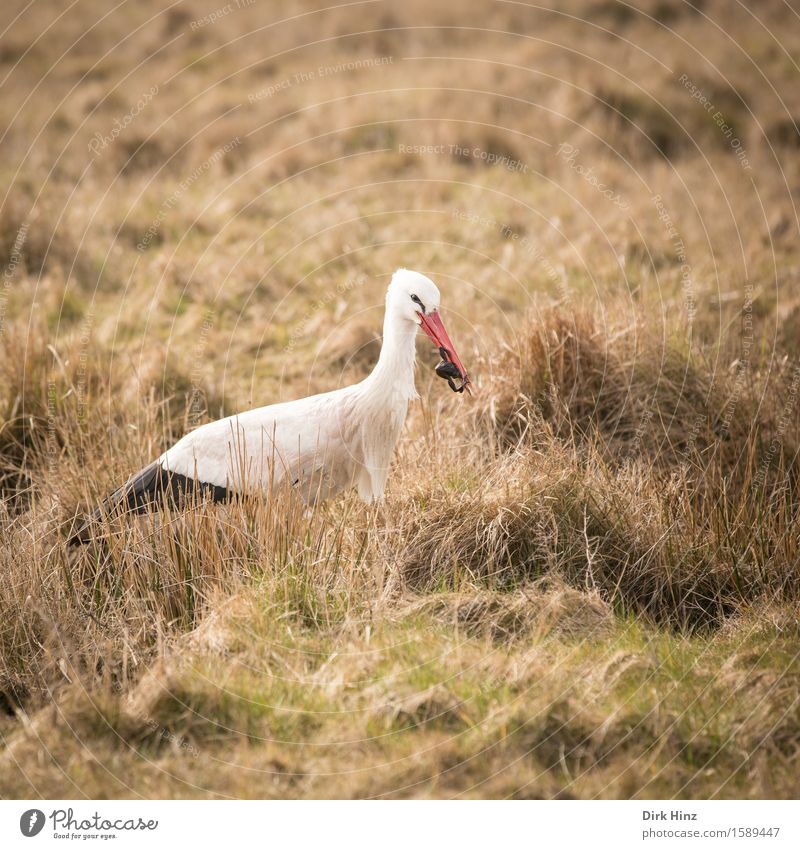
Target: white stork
{"x":324,"y":443}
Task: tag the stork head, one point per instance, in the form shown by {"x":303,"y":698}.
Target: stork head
{"x":414,"y":297}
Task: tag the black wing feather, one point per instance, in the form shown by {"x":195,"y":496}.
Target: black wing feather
{"x":152,"y":487}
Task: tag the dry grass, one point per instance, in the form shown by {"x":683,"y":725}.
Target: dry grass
{"x":582,"y":583}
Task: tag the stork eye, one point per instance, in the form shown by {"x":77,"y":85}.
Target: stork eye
{"x":416,"y":300}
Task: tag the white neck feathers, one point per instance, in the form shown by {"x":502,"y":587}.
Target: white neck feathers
{"x":393,"y":375}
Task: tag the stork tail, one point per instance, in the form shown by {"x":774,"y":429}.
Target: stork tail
{"x":153,"y":487}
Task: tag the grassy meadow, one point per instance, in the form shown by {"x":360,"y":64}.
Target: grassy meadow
{"x":584,"y":581}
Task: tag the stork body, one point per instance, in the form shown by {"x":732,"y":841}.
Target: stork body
{"x":319,"y":445}
{"x":324,"y":443}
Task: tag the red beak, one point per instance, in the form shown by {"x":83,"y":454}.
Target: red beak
{"x":432,"y":325}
